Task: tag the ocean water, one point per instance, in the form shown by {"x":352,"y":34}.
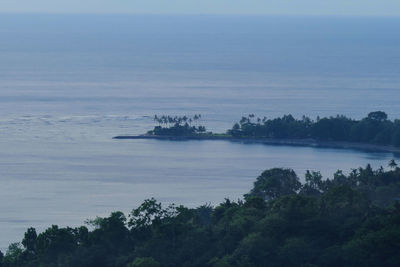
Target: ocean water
{"x":69,"y":83}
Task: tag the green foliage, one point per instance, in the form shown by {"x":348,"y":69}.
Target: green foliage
{"x":374,"y":129}
{"x":144,"y":262}
{"x":14,"y":255}
{"x":177,"y":126}
{"x":349,"y":220}
{"x":29,"y":241}
{"x":377,"y":116}
{"x":275,"y":183}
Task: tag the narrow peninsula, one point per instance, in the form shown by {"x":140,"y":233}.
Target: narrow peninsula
{"x":373,"y":133}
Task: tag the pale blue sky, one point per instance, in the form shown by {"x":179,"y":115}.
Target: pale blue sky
{"x":292,"y":7}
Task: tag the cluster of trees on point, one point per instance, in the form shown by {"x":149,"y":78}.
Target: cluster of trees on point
{"x":375,"y":128}
{"x":177,"y":125}
{"x":349,"y":220}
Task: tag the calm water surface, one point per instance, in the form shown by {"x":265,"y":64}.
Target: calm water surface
{"x":68,"y":84}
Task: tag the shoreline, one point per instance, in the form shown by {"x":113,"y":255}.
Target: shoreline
{"x":272,"y":141}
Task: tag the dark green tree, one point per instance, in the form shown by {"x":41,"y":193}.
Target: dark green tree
{"x":29,"y":241}
{"x":392,"y":164}
{"x":274,"y":183}
{"x":377,"y":116}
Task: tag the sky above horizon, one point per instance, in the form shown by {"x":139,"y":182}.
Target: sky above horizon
{"x":274,"y":7}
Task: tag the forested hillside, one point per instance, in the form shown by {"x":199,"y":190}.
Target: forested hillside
{"x":349,"y":220}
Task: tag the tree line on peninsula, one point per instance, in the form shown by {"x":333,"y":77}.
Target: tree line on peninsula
{"x":349,"y":220}
{"x":177,"y":125}
{"x":376,"y":128}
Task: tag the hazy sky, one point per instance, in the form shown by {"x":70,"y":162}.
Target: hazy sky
{"x":298,"y":7}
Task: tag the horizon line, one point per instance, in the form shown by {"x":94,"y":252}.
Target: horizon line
{"x":202,"y":14}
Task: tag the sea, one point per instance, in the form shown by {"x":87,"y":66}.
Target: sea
{"x":69,"y":83}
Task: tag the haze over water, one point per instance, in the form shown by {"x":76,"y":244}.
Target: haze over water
{"x":69,"y":83}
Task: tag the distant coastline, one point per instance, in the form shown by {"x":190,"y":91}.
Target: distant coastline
{"x":271,"y":141}
{"x":374,"y":133}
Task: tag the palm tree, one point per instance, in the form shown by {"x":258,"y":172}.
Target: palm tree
{"x":165,"y":120}
{"x":170,"y":120}
{"x":392,"y":164}
{"x":158,"y":120}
